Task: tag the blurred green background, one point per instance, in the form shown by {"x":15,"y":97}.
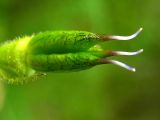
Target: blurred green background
{"x":105,"y":92}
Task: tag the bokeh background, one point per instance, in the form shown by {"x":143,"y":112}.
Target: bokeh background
{"x":105,"y":92}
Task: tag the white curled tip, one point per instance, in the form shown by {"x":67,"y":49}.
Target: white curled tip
{"x":121,"y":65}
{"x":125,"y":37}
{"x":127,"y":53}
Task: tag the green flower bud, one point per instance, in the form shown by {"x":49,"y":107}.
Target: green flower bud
{"x":26,"y":58}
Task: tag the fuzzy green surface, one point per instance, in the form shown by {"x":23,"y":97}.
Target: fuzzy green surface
{"x":58,"y":51}
{"x":62,"y":42}
{"x":62,"y":51}
{"x":13,"y":67}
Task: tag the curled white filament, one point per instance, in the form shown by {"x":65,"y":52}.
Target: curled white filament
{"x":126,"y":53}
{"x":123,"y":65}
{"x":116,"y":37}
